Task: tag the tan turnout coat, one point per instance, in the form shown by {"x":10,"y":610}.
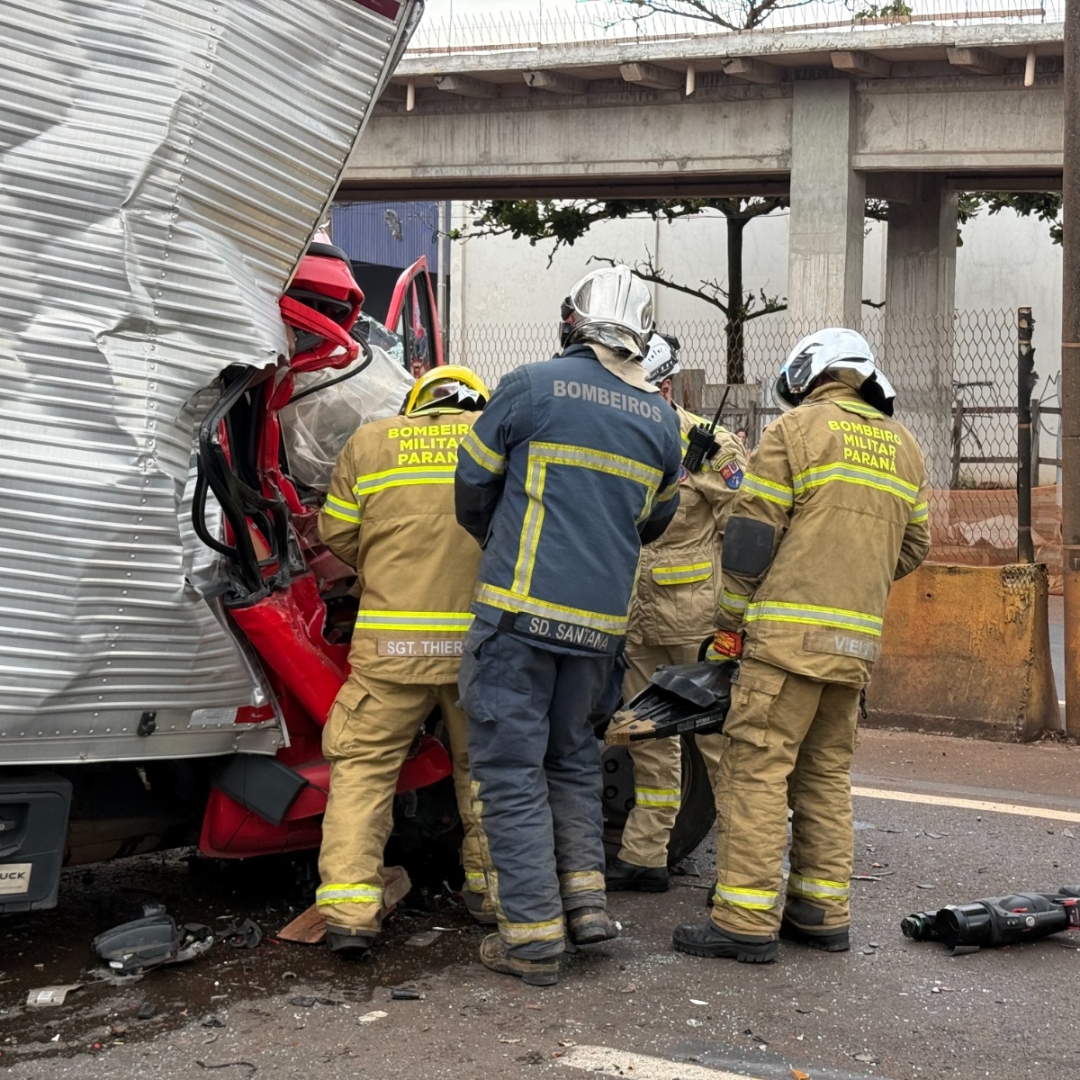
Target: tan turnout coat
{"x":845,"y":489}
{"x":390,"y":513}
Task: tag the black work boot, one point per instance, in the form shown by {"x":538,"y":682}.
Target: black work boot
{"x":590,"y":925}
{"x":804,"y":923}
{"x":707,"y":939}
{"x":349,"y":944}
{"x":495,"y":956}
{"x":479,"y":907}
{"x":626,"y":877}
{"x":835,"y":939}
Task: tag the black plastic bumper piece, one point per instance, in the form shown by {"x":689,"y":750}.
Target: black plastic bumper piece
{"x":34,"y":809}
{"x":263,"y":785}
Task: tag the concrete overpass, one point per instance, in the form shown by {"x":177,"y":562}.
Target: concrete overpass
{"x":908,"y":113}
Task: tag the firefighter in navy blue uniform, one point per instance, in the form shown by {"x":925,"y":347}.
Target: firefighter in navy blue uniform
{"x":574,"y":464}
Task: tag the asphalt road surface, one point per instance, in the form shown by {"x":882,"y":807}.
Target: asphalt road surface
{"x":939,"y":820}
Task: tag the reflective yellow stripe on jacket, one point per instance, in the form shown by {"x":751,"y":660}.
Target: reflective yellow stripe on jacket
{"x":682,"y":575}
{"x":391,"y":478}
{"x":482,"y":454}
{"x":733,"y":602}
{"x":766,"y":489}
{"x":813,"y":615}
{"x":855,"y":474}
{"x":342,"y":510}
{"x":506,"y":600}
{"x":543,"y":454}
{"x":452,"y":621}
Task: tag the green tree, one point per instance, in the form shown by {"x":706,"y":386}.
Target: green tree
{"x":1043,"y":205}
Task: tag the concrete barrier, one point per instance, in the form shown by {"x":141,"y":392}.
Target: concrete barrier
{"x":966,"y":651}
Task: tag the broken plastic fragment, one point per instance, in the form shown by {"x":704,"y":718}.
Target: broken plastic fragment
{"x":52,"y":995}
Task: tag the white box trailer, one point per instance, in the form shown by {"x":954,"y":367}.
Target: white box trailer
{"x":163,"y":166}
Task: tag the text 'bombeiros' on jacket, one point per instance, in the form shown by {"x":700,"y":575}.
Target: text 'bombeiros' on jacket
{"x":390,"y":514}
{"x":833,"y":509}
{"x":569,"y":468}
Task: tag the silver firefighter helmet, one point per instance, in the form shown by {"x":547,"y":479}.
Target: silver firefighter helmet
{"x":834,"y":349}
{"x":612,"y":308}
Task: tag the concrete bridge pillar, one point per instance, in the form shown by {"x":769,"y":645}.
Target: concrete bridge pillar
{"x":825,"y":248}
{"x":916,"y":347}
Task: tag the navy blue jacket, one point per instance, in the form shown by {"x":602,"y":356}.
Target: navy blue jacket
{"x":565,"y":474}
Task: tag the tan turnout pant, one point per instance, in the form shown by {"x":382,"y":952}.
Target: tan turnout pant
{"x":366,"y":740}
{"x":789,"y":740}
{"x":658,"y":764}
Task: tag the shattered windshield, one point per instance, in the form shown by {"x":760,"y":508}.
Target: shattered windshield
{"x":375,"y":334}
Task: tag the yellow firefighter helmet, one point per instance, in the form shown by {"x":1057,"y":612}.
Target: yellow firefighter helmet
{"x":450,"y":388}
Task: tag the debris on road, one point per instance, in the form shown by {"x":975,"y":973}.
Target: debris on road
{"x":137,"y":946}
{"x":405,"y":993}
{"x":423,"y":939}
{"x":147,"y":1010}
{"x":226,"y":1065}
{"x":240,"y":935}
{"x":51,"y":995}
{"x":371,"y":1017}
{"x":309,"y":927}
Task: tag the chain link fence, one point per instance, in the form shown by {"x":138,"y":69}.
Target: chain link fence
{"x":956,"y":384}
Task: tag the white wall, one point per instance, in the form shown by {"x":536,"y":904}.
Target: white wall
{"x":1005,"y":262}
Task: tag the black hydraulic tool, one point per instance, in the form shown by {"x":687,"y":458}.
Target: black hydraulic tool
{"x":681,"y":699}
{"x":702,"y":439}
{"x":997,"y":920}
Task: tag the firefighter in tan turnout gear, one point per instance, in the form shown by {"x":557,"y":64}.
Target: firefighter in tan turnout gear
{"x":673,"y":612}
{"x":390,"y":513}
{"x":832,"y":510}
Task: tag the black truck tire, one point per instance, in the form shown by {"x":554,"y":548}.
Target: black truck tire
{"x":696,"y":814}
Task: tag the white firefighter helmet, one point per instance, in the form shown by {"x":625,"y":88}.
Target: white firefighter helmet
{"x":662,"y":359}
{"x":612,"y":308}
{"x":834,"y":349}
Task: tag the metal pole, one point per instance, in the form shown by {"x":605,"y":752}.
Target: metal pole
{"x":440,"y":280}
{"x":1025,"y":383}
{"x":1070,"y":370}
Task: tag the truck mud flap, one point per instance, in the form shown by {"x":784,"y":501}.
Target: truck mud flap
{"x":260,"y":806}
{"x":34,"y":809}
{"x":263,"y":785}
